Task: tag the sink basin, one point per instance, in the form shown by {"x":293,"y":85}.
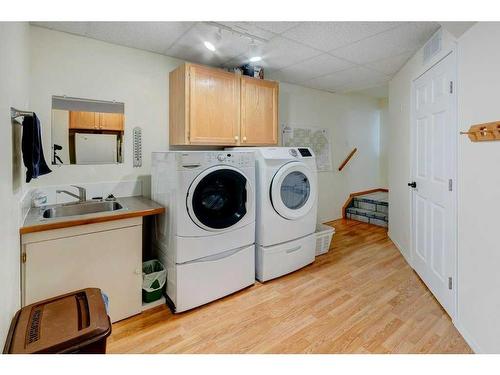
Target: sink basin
{"x":80,"y":209}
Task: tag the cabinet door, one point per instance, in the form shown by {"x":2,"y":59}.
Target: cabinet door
{"x":83,"y":120}
{"x":259,"y":112}
{"x":213,"y":106}
{"x":110,"y":260}
{"x":111,"y":121}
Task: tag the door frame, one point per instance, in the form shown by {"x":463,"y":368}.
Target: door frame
{"x":451,"y":52}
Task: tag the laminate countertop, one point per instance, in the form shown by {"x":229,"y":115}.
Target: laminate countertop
{"x":134,"y":207}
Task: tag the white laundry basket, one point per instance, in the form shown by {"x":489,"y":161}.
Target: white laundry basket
{"x":324,"y":235}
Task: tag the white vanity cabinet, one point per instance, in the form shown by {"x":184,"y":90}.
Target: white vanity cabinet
{"x":105,"y":255}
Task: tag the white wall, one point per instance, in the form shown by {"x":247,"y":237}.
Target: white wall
{"x":354,"y":121}
{"x":479,"y":190}
{"x":384,"y":142}
{"x":398,"y":140}
{"x":14,"y":90}
{"x":478,"y":180}
{"x":65,"y":64}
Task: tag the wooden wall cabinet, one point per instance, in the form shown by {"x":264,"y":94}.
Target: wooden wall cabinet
{"x":210,"y":106}
{"x":83,"y":120}
{"x":259,"y":112}
{"x":95,"y":121}
{"x":111,"y":121}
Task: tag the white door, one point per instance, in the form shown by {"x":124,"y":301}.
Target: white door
{"x":433,"y":168}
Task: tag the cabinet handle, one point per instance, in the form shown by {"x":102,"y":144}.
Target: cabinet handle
{"x":244,"y":139}
{"x":236,"y":138}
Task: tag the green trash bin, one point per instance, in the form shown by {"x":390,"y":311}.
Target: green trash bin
{"x":154,"y":276}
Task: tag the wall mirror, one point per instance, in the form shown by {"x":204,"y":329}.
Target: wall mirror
{"x":86,"y":131}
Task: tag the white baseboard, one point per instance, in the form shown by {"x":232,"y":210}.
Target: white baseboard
{"x":401,"y":250}
{"x":468,"y":338}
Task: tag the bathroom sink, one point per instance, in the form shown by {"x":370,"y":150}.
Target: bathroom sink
{"x":80,"y":209}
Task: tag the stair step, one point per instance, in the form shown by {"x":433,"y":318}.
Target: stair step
{"x":369,"y":220}
{"x":380,"y":198}
{"x":367,"y":213}
{"x":374,"y":202}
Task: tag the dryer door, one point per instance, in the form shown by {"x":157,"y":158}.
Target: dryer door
{"x":219,"y":198}
{"x":293,"y":190}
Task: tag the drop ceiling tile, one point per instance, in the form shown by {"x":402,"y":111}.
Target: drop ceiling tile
{"x":406,"y":38}
{"x":364,"y":85}
{"x":237,"y":61}
{"x":190,"y":46}
{"x":347,"y":78}
{"x":391,"y":65}
{"x":314,"y":67}
{"x":282,"y":76}
{"x":276,"y":27}
{"x":249,"y":28}
{"x":149,"y":36}
{"x":327,"y":36}
{"x":280,"y":53}
{"x":79,"y":28}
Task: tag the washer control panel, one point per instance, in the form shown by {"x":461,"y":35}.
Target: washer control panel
{"x":237,"y":159}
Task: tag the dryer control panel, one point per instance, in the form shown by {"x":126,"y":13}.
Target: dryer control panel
{"x":305,"y":152}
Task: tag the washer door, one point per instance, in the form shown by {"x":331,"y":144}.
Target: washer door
{"x":218,"y":198}
{"x":293,"y":190}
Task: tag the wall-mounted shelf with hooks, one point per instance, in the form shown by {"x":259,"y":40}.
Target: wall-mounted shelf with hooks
{"x":489,"y":131}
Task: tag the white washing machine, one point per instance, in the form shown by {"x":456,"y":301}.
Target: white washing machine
{"x":287,"y":199}
{"x":206,"y":237}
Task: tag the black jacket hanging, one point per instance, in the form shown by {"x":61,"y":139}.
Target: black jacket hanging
{"x":32,"y":148}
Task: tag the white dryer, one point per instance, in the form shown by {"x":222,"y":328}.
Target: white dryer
{"x":206,"y":237}
{"x":287,"y":199}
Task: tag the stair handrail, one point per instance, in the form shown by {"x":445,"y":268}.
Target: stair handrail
{"x":344,"y":163}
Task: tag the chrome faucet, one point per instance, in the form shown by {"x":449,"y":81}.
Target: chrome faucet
{"x":82,"y":193}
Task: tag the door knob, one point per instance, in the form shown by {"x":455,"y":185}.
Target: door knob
{"x":412,"y":184}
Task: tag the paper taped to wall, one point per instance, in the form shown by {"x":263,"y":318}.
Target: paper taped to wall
{"x":316,"y":138}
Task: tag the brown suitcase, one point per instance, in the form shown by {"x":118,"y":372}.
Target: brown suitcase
{"x":76,"y":322}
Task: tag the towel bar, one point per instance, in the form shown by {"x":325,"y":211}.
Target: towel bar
{"x":15,"y":113}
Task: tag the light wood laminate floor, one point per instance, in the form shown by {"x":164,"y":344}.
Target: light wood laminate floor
{"x":361,"y":297}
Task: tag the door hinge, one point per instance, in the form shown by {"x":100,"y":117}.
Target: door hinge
{"x":451,"y":87}
{"x":450,"y":185}
{"x":23,"y":257}
{"x":450,"y":283}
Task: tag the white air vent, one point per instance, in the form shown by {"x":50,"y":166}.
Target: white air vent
{"x":432,"y":47}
